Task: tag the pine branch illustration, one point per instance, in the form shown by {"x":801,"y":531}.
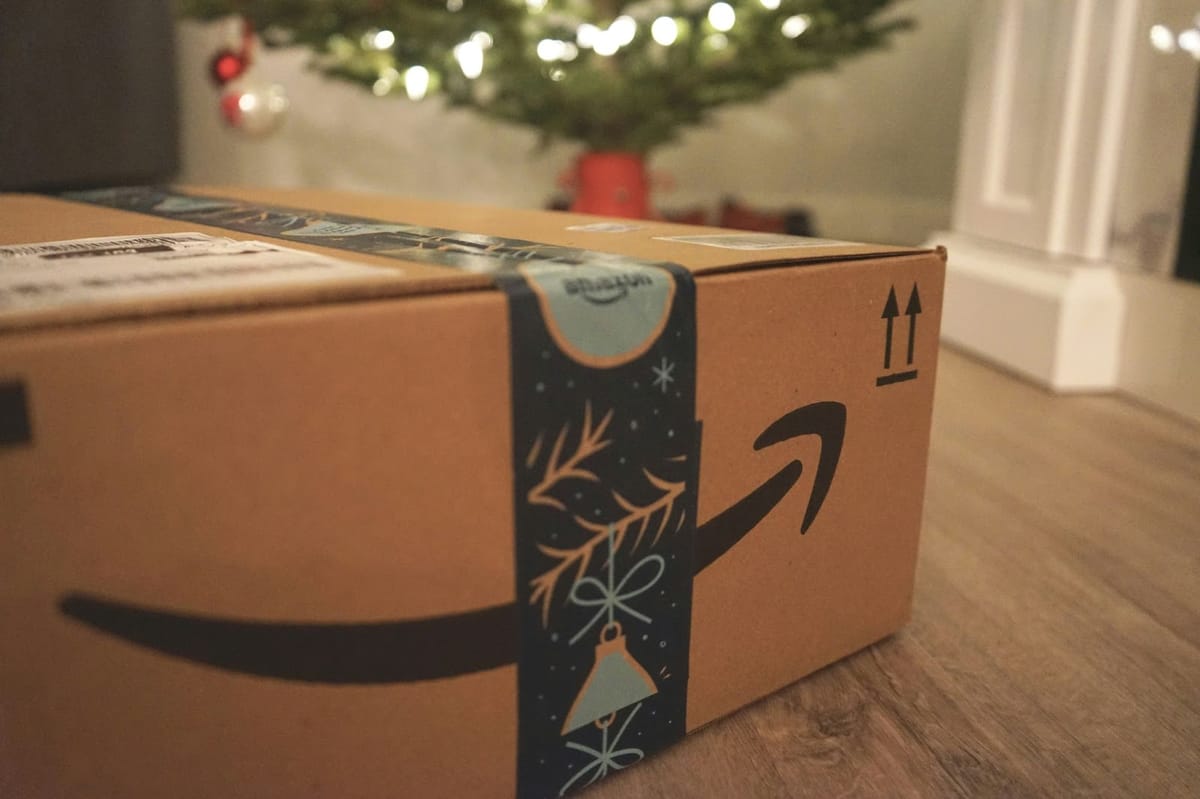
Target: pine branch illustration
{"x":591,"y":441}
{"x":637,"y":520}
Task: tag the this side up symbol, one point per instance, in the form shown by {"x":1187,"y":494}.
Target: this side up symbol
{"x":891,"y":309}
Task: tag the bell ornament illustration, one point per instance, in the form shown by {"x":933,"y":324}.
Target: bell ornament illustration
{"x":616,"y":681}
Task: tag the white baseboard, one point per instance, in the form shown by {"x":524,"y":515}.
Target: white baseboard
{"x":1058,"y":322}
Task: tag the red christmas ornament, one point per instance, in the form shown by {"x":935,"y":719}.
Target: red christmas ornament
{"x":249,"y":105}
{"x":227,"y":65}
{"x":230,"y":109}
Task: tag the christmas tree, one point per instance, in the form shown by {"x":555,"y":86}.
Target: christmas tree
{"x":611,"y":75}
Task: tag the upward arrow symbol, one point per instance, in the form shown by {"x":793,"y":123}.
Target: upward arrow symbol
{"x":914,"y":308}
{"x":891,"y":310}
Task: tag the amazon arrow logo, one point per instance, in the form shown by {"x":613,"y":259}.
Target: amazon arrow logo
{"x":408,"y":650}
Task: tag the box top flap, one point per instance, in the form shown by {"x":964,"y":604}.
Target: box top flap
{"x":212,"y":249}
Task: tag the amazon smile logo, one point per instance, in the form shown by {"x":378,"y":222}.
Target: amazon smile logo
{"x":607,"y":289}
{"x":409,"y":650}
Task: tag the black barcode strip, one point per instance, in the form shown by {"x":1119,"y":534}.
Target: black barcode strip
{"x":100,"y":244}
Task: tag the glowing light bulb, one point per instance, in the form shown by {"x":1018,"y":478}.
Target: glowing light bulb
{"x":483,"y":39}
{"x":770,"y":5}
{"x":665,"y":31}
{"x":1189,"y":42}
{"x":386,"y":82}
{"x":383,"y":40}
{"x":551,"y":49}
{"x":416,"y":82}
{"x":586,"y":35}
{"x":718,"y":41}
{"x":624,"y":28}
{"x":722,"y":16}
{"x":535,"y":5}
{"x":570,"y":52}
{"x":794,"y":26}
{"x":1162,"y":39}
{"x":606,"y":43}
{"x":470,"y":58}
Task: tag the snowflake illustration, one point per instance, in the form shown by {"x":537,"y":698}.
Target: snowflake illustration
{"x":662,"y":374}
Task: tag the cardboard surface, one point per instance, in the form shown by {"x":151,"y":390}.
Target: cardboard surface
{"x":334,"y":461}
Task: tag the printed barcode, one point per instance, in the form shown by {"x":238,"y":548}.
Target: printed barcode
{"x":97,"y":244}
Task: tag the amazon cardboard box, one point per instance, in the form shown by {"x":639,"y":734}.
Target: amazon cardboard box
{"x":317,"y":494}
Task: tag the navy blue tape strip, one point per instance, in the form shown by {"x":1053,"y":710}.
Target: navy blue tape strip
{"x":605,"y":459}
{"x":441,"y":246}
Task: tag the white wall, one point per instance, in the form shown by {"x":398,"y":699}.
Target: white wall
{"x":1157,"y":145}
{"x":871,"y":148}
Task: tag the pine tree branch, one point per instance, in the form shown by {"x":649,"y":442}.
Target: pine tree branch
{"x":637,"y":518}
{"x":591,"y":441}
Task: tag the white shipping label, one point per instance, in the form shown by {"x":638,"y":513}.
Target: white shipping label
{"x":754,"y":241}
{"x":605,"y":227}
{"x":134,"y":269}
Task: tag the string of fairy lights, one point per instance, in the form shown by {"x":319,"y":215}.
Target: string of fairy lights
{"x":609,"y":74}
{"x":1165,"y":40}
{"x":664,"y":30}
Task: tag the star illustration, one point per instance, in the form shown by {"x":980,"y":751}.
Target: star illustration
{"x":662,"y":374}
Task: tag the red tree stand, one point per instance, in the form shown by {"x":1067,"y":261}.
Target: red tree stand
{"x":612,"y":184}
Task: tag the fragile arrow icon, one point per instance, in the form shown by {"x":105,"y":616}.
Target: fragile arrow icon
{"x":891,"y":310}
{"x":911,"y":311}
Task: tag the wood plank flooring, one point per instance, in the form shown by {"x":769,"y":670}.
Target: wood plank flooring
{"x":1055,"y":645}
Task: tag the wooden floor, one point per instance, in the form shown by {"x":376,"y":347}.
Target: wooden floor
{"x":1055,"y":644}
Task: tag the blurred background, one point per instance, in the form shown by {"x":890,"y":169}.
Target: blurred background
{"x":1050,"y":145}
{"x":869,"y":148}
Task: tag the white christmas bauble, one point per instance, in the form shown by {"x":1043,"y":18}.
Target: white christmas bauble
{"x":254,"y":107}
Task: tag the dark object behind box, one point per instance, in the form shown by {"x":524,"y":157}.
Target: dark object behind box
{"x":259,"y":539}
{"x":87,"y":93}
